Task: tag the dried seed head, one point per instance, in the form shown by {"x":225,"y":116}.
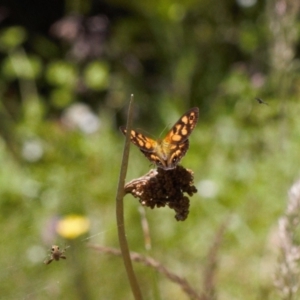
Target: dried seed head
{"x":161,"y":187}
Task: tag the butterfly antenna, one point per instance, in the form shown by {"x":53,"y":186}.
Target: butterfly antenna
{"x":166,"y":127}
{"x":148,"y":134}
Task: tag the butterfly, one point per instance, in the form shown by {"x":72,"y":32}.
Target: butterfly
{"x":167,"y":153}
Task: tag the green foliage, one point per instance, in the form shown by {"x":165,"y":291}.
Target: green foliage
{"x":61,"y":73}
{"x":60,"y":159}
{"x":96,"y":76}
{"x":12,"y":37}
{"x":19,"y":66}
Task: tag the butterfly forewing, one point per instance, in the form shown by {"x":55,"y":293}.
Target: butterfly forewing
{"x":140,"y":140}
{"x":183,"y":127}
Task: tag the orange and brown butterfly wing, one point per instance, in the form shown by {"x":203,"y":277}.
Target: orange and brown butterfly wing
{"x":183,"y":127}
{"x":140,"y":140}
{"x":146,"y":145}
{"x":164,"y":160}
{"x":176,"y":142}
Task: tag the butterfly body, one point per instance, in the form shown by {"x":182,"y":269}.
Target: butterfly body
{"x":167,"y":153}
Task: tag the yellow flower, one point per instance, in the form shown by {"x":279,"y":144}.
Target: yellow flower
{"x":71,"y":226}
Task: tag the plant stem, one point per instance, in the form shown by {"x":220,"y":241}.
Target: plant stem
{"x":120,"y":210}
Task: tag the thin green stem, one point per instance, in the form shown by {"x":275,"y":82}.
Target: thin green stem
{"x":120,"y":210}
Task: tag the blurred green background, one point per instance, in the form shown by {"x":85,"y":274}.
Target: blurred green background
{"x":67,"y":69}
